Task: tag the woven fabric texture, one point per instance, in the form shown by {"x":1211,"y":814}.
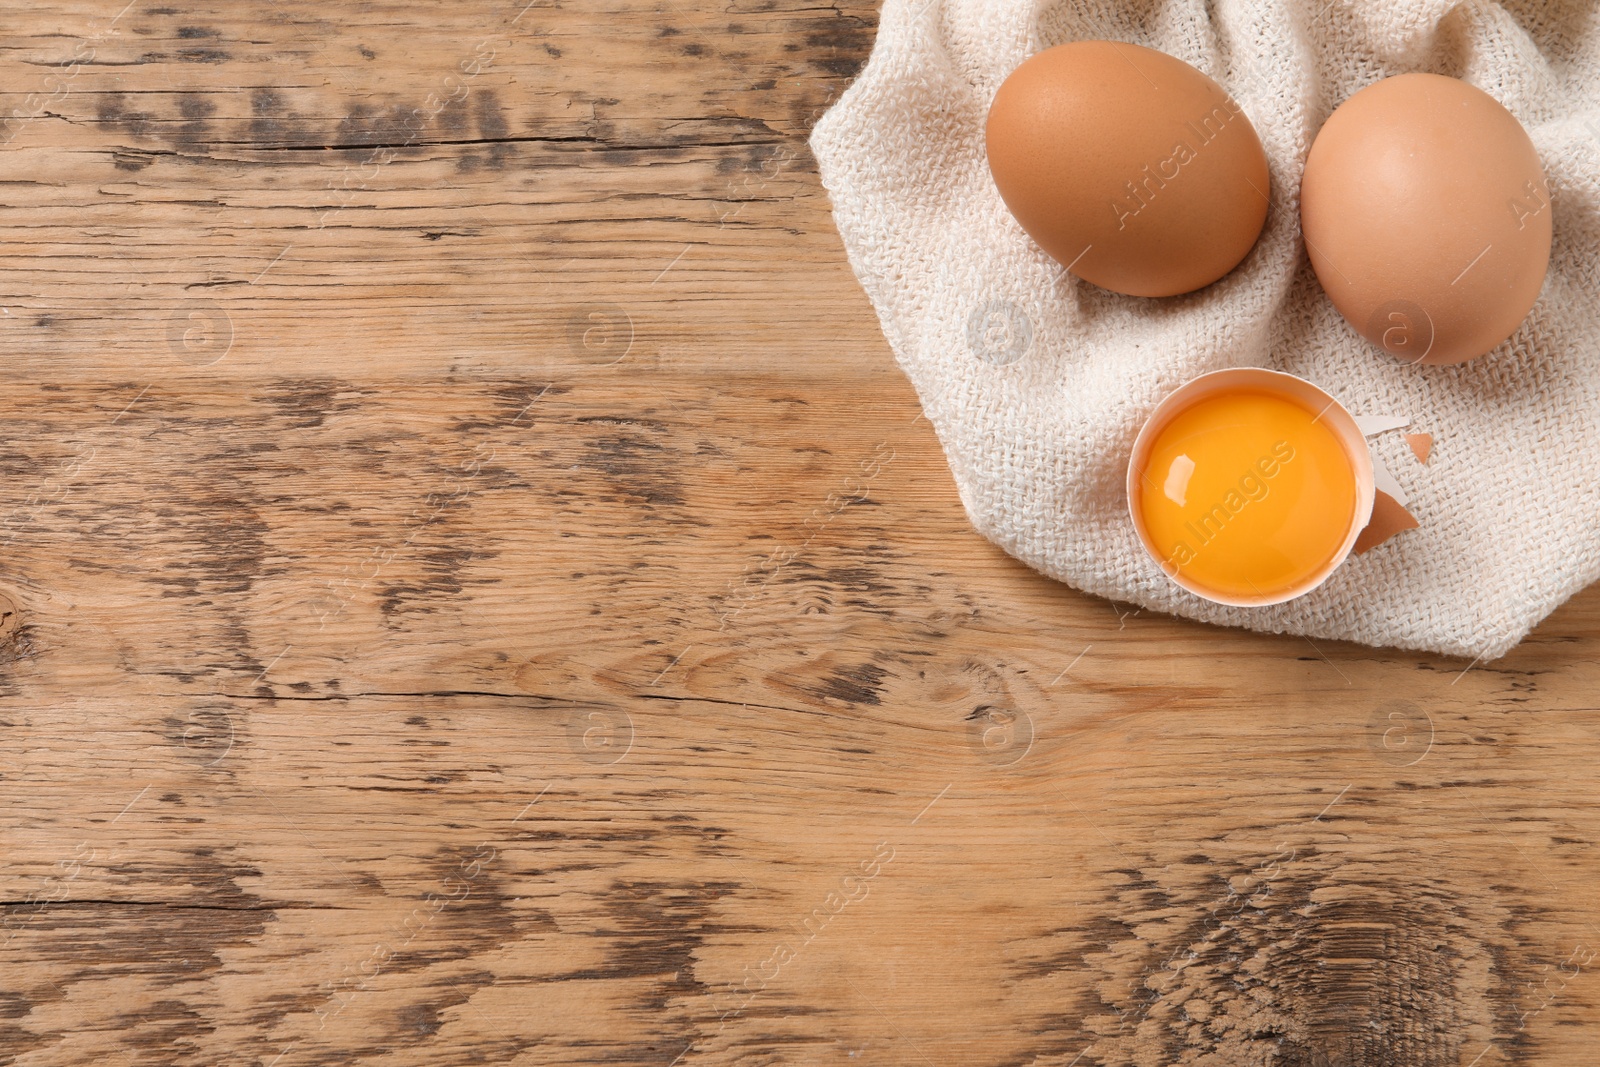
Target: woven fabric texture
{"x":1036,"y":383}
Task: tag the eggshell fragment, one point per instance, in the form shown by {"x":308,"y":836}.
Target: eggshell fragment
{"x":1421,"y":444}
{"x":1389,"y":517}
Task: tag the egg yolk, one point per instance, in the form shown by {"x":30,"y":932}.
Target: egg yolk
{"x":1247,"y":494}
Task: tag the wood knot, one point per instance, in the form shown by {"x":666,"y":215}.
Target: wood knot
{"x":995,"y":701}
{"x":1301,"y":960}
{"x":10,"y":620}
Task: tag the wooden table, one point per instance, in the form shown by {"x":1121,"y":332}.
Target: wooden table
{"x":480,"y":591}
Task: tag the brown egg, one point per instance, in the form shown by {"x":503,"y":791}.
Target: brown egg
{"x":1427,"y":217}
{"x":1129,"y":166}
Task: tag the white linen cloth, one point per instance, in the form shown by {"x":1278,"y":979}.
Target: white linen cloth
{"x":1036,"y":383}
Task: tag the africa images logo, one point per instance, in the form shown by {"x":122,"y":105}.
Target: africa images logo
{"x":1253,"y":486}
{"x":1143,"y":192}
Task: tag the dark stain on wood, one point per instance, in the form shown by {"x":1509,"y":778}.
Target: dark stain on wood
{"x":437,"y":577}
{"x":306,"y":403}
{"x":515,"y":404}
{"x":392,"y":125}
{"x":653,"y":931}
{"x":827,"y":682}
{"x":860,"y":683}
{"x":225,"y":539}
{"x":268,"y":118}
{"x":467,"y":917}
{"x":488,"y":113}
{"x":640,"y":468}
{"x":476,"y":126}
{"x":113,"y":110}
{"x":839,"y":46}
{"x":172,"y":948}
{"x":196,"y":111}
{"x":454,"y":120}
{"x":202,"y":55}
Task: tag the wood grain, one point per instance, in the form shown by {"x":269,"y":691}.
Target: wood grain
{"x":478,"y":590}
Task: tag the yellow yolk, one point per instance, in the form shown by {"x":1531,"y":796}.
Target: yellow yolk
{"x":1247,"y":493}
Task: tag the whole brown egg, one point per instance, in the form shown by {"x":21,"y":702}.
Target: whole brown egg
{"x":1426,"y":217}
{"x":1129,"y":166}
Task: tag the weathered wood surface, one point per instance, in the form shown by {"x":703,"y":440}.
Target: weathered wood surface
{"x":480,"y":592}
